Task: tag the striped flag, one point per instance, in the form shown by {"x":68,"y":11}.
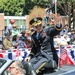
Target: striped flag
{"x":63,"y":54}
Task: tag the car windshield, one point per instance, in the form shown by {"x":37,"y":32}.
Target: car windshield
{"x":2,"y":62}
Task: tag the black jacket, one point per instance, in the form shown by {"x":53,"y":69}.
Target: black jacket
{"x":45,"y":44}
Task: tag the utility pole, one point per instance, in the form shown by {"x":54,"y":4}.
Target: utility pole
{"x":55,"y":3}
{"x":55,"y":6}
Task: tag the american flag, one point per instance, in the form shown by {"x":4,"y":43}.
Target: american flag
{"x":63,"y":54}
{"x":66,"y":55}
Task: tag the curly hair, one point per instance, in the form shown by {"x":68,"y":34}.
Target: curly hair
{"x":20,"y":67}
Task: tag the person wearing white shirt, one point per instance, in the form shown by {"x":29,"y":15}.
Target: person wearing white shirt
{"x":9,"y":27}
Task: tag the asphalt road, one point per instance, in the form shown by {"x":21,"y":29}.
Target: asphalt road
{"x":64,"y":70}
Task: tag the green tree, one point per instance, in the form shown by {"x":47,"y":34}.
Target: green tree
{"x":14,"y":7}
{"x":11,"y":7}
{"x":66,"y":8}
{"x":29,"y":5}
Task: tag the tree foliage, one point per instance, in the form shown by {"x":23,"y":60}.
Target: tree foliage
{"x":67,"y":7}
{"x":11,"y":7}
{"x":14,"y":7}
{"x":29,"y":4}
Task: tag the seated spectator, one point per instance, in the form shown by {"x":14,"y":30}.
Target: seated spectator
{"x":16,"y":68}
{"x":72,"y":41}
{"x":15,"y":30}
{"x":71,"y":33}
{"x":23,"y":35}
{"x":28,"y":34}
{"x":7,"y":42}
{"x":60,"y":40}
{"x":21,"y":39}
{"x":65,"y":30}
{"x":16,"y":41}
{"x":28,"y":43}
{"x":66,"y":38}
{"x":22,"y":43}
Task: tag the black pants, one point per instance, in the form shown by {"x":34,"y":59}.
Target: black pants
{"x":55,"y":57}
{"x":37,"y":62}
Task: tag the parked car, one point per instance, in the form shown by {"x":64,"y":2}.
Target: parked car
{"x":4,"y":64}
{"x":65,"y":70}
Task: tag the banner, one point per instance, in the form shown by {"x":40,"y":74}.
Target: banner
{"x":15,"y":54}
{"x":66,"y":54}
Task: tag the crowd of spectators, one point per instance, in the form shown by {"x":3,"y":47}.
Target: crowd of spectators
{"x":66,"y":37}
{"x":15,"y":40}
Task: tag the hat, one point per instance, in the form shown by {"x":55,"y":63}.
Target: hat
{"x":36,"y":21}
{"x":12,"y":21}
{"x":14,"y":26}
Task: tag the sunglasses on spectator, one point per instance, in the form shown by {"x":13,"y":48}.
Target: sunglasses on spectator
{"x":11,"y":67}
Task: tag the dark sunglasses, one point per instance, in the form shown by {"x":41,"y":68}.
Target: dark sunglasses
{"x":38,"y":26}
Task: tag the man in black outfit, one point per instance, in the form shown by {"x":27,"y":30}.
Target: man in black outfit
{"x":43,"y":47}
